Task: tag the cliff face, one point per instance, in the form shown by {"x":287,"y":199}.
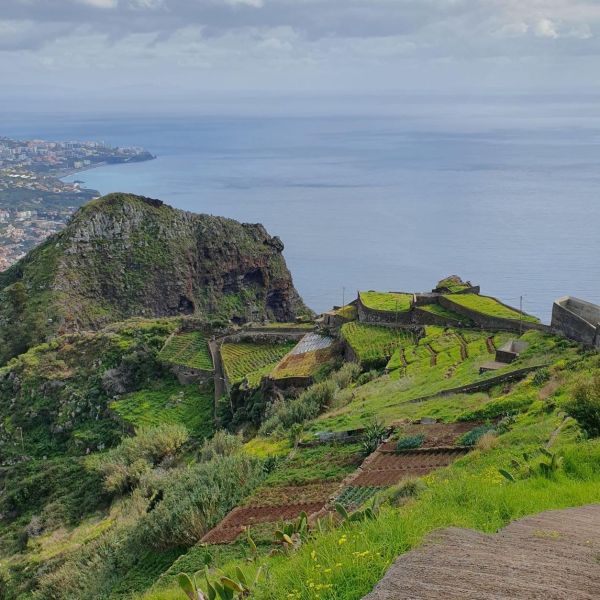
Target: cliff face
{"x":125,"y":255}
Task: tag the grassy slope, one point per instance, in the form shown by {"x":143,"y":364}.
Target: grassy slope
{"x":489,"y":306}
{"x":344,"y":564}
{"x":386,"y":301}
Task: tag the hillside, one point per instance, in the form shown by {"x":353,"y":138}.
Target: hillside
{"x":124,"y":255}
{"x":335,"y":447}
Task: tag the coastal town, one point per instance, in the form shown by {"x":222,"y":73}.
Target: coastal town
{"x":34,"y":201}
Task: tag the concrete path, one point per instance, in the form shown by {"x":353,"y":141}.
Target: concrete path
{"x":554,"y":555}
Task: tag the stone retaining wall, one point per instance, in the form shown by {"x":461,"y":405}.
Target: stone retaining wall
{"x":490,"y":322}
{"x":577,"y":319}
{"x":481,"y":386}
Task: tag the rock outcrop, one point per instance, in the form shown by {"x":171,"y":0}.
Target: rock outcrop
{"x":124,"y":255}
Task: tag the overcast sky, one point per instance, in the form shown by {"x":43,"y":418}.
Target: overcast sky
{"x":103,"y":50}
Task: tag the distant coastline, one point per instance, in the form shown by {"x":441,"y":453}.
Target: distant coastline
{"x":67,"y":173}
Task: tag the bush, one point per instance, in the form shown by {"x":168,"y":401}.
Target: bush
{"x":134,"y":458}
{"x":488,"y":441}
{"x":221,"y":444}
{"x":368,"y":376}
{"x":472,"y":437}
{"x":584,"y":405}
{"x":540,"y":377}
{"x":409,"y":442}
{"x":346,"y":375}
{"x":409,"y":488}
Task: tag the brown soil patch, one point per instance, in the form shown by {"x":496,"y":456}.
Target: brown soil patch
{"x":490,"y":345}
{"x":550,"y":556}
{"x":436,"y":434}
{"x":279,"y":495}
{"x":241,"y":517}
{"x":386,"y":468}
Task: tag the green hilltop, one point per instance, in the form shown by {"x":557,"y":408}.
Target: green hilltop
{"x":143,"y":436}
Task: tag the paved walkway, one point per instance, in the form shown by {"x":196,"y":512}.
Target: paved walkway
{"x":554,"y":555}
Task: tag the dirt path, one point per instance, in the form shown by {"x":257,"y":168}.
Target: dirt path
{"x":550,"y":556}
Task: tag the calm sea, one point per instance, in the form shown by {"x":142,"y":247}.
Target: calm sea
{"x":390,"y":203}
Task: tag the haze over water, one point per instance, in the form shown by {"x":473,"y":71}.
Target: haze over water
{"x":390,"y":202}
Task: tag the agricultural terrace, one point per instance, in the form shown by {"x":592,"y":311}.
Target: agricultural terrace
{"x":188,"y":350}
{"x":389,"y":397}
{"x":245,"y":358}
{"x":487,"y":305}
{"x":386,"y":301}
{"x":169,"y":402}
{"x":309,"y":356}
{"x":374,"y":344}
{"x":445,"y":313}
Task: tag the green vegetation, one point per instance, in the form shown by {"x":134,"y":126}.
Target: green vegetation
{"x":245,"y":358}
{"x":387,"y":301}
{"x":453,"y":284}
{"x":169,"y":402}
{"x":374,"y":344}
{"x":347,"y":312}
{"x":489,"y":306}
{"x":188,"y":350}
{"x":445,"y":313}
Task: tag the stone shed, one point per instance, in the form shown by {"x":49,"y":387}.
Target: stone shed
{"x":577,"y":319}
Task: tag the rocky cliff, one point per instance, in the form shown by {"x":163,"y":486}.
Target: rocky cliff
{"x":124,"y":255}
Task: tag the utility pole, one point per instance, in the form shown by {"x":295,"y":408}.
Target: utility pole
{"x":520,"y":315}
{"x":343,"y":296}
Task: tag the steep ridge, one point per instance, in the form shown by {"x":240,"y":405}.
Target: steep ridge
{"x":125,"y":255}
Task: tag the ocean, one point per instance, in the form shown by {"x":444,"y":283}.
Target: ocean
{"x":392,"y":202}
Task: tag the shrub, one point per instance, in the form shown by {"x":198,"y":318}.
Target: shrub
{"x":343,"y":377}
{"x":409,"y":488}
{"x":471,"y":437}
{"x":409,"y":442}
{"x":584,"y":405}
{"x":221,"y":444}
{"x":487,"y":441}
{"x":124,"y":466}
{"x":540,"y":377}
{"x":368,"y":376}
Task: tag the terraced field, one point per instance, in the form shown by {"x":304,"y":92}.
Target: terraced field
{"x":189,"y":350}
{"x":310,"y":355}
{"x":170,"y":403}
{"x":388,"y":468}
{"x":374,"y":344}
{"x":386,"y":301}
{"x":445,"y":313}
{"x":487,"y":305}
{"x":245,"y":358}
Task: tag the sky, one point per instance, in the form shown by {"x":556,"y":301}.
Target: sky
{"x":173,"y":52}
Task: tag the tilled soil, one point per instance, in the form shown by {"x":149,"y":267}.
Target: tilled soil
{"x":550,"y":556}
{"x":385,"y":468}
{"x":241,"y":517}
{"x":436,"y":434}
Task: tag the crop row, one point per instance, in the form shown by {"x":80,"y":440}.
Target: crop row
{"x":241,"y":359}
{"x":189,"y":350}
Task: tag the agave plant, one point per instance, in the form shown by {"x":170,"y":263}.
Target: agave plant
{"x":223,"y":588}
{"x":369,"y":513}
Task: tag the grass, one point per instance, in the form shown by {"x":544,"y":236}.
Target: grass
{"x":387,"y":301}
{"x":325,"y":462}
{"x":345,"y":563}
{"x":189,"y":405}
{"x":188,"y":350}
{"x":374,"y":344}
{"x":487,"y":305}
{"x":385,"y":398}
{"x":241,"y":359}
{"x":445,"y":313}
